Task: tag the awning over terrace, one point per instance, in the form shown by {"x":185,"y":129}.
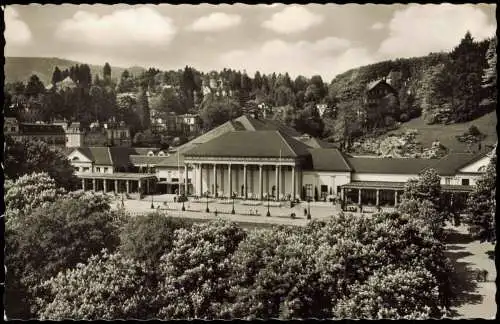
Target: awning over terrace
{"x":382,"y":185}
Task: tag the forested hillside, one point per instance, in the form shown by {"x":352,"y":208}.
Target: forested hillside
{"x":21,"y":68}
{"x":440,"y":88}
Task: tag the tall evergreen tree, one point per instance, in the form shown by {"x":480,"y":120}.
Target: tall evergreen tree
{"x":56,"y":75}
{"x":34,"y":87}
{"x":106,"y":72}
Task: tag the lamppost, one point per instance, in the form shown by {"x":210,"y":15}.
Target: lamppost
{"x":152,"y":205}
{"x":268,"y":212}
{"x":232,"y":211}
{"x":309,"y":208}
{"x":183,"y":208}
{"x":207,"y":210}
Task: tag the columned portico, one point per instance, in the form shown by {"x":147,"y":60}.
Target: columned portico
{"x":249,"y":179}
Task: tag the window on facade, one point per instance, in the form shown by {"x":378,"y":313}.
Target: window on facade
{"x":76,"y":158}
{"x":465,"y":182}
{"x":447,"y":180}
{"x":12,"y":129}
{"x":105,"y":169}
{"x":175,"y":179}
{"x":86,"y":169}
{"x":98,"y":169}
{"x":482,"y":169}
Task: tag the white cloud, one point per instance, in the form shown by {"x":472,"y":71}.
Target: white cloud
{"x":377,"y":26}
{"x":216,"y":21}
{"x":292,"y":19}
{"x":420,"y":29}
{"x":17,"y":31}
{"x":135,"y":26}
{"x":326,"y":57}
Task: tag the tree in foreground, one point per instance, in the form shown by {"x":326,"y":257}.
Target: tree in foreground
{"x":194,"y":274}
{"x":53,"y":238}
{"x":108,"y":286}
{"x":28,"y":192}
{"x":27,"y":156}
{"x":392,"y":293}
{"x":148,"y":237}
{"x":482,"y":205}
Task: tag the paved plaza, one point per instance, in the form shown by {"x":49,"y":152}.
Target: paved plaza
{"x":196,"y":209}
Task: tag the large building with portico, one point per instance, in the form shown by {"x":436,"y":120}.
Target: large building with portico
{"x":255,"y":159}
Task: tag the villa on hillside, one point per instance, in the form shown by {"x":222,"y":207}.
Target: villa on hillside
{"x":249,"y":158}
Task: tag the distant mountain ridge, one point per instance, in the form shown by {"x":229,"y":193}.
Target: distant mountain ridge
{"x":21,"y":68}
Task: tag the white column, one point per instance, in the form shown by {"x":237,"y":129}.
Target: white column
{"x":83,"y":184}
{"x":128,"y":186}
{"x":245,"y":191}
{"x":293,"y":182}
{"x":395,"y":197}
{"x":139,"y":185}
{"x":378,"y":198}
{"x":116,"y":186}
{"x":359,"y":196}
{"x":94,"y":187}
{"x":104,"y":185}
{"x":260,"y":182}
{"x":230,"y":183}
{"x":186,"y":179}
{"x":215,"y":179}
{"x":276,"y":179}
{"x":200,"y":180}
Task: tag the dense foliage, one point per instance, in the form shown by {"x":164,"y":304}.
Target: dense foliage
{"x":52,"y":238}
{"x":26,"y":156}
{"x":109,"y":287}
{"x":148,"y":237}
{"x":481,"y":216}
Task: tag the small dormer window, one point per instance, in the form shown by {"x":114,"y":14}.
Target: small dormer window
{"x":76,"y":158}
{"x":161,"y":153}
{"x":150,"y":153}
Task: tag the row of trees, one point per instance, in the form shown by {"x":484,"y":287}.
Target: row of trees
{"x":156,"y":267}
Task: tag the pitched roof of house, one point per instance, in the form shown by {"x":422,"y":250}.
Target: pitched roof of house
{"x":99,"y":155}
{"x":388,"y":165}
{"x":452,"y":162}
{"x":328,"y":159}
{"x":251,"y":144}
{"x":372,"y":85}
{"x":41,"y":129}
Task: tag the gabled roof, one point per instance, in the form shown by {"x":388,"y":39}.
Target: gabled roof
{"x":98,"y":155}
{"x":372,"y":85}
{"x":251,"y":144}
{"x":452,"y":162}
{"x":328,"y":159}
{"x":41,"y":129}
{"x":389,"y":165}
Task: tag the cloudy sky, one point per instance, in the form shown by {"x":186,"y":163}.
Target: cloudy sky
{"x":298,"y":39}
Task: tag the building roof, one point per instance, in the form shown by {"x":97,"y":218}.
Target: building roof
{"x":115,"y":175}
{"x":99,"y":155}
{"x":145,"y":160}
{"x":328,"y":159}
{"x":375,"y":185}
{"x":452,"y":162}
{"x":251,"y":144}
{"x":372,"y":85}
{"x":389,"y":165}
{"x":41,"y":129}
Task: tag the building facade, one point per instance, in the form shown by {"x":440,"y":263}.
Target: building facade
{"x":254,"y":159}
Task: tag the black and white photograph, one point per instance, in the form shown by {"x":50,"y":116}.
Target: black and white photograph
{"x":249,"y":161}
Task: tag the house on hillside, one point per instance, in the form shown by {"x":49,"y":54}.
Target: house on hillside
{"x":377,"y":90}
{"x":51,"y":134}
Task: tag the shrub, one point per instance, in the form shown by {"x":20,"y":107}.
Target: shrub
{"x":474,"y":131}
{"x":404,"y":117}
{"x":106,"y":287}
{"x":147,"y":238}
